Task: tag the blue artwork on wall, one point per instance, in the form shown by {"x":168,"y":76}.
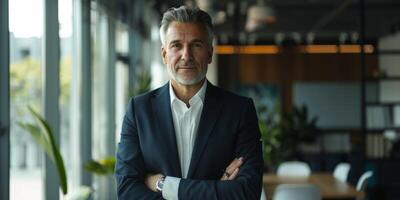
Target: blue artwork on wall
{"x":266,"y":98}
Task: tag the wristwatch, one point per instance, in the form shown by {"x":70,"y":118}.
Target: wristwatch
{"x":160,"y":184}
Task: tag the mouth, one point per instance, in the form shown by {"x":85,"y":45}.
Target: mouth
{"x":184,"y":67}
{"x":188,"y":67}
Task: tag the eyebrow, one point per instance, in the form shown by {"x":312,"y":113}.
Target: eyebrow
{"x":193,"y":41}
{"x":197,"y":40}
{"x":174,"y":41}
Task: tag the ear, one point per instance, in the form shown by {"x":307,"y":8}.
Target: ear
{"x":210,"y":55}
{"x":163,"y":53}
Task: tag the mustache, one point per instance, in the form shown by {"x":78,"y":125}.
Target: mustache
{"x":187,"y":64}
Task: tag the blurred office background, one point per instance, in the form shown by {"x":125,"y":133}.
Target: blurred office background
{"x":77,"y":63}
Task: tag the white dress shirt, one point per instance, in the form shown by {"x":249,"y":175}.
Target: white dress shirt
{"x":186,"y":121}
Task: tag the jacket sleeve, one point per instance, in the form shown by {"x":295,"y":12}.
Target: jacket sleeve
{"x":247,"y":185}
{"x":130,"y":168}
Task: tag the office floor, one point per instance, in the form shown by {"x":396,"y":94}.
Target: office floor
{"x":26,"y":184}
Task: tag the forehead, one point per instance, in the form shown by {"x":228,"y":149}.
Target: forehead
{"x":186,"y":31}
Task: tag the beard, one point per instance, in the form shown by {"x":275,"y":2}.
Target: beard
{"x":178,"y":78}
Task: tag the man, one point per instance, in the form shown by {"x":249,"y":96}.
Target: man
{"x":189,"y":139}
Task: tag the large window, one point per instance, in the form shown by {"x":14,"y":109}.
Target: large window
{"x":26,"y":88}
{"x":26,"y":31}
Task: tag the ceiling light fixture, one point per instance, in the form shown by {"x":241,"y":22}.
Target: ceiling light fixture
{"x":259,"y":15}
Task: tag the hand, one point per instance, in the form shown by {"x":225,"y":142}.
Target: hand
{"x":232,"y":170}
{"x":151,"y":180}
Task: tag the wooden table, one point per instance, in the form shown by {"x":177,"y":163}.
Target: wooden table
{"x":330,"y":187}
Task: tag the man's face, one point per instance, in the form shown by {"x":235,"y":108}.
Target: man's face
{"x":186,"y":52}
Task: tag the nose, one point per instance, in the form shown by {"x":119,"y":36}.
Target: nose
{"x":187,"y":53}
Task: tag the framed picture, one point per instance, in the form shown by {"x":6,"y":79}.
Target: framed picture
{"x":266,"y":99}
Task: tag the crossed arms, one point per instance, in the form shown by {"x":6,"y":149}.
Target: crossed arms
{"x":230,"y":173}
{"x":244,"y":182}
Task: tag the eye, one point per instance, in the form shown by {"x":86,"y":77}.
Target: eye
{"x":198,"y":44}
{"x":175,"y":45}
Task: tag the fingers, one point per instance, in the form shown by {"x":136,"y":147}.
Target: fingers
{"x":234,"y":174}
{"x":226,"y":176}
{"x":234,"y":164}
{"x":232,"y":170}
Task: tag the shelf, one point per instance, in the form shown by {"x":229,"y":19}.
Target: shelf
{"x":380,"y":130}
{"x":385,"y":78}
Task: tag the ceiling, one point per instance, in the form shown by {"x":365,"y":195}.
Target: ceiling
{"x":299,"y":21}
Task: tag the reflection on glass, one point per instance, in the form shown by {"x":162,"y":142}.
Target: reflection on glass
{"x":26,"y":29}
{"x":25,"y":83}
{"x":26,"y":32}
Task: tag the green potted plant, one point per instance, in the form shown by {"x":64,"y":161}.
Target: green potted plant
{"x":102,"y":167}
{"x":282,"y":136}
{"x":298,"y":127}
{"x":271,"y":136}
{"x":41,"y":132}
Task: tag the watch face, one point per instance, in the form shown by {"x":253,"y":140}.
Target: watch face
{"x":160,"y":184}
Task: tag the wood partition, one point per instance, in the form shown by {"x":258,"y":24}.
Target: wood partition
{"x":289,"y":66}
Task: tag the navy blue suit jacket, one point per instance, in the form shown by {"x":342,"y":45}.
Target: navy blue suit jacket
{"x":228,"y":129}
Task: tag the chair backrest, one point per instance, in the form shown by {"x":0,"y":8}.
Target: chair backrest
{"x":263,"y":196}
{"x":293,"y":168}
{"x":297,"y":192}
{"x":341,"y":171}
{"x":363,"y":180}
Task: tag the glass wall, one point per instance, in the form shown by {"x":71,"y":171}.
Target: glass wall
{"x":26,"y":88}
{"x":26,"y":31}
{"x":110,"y":54}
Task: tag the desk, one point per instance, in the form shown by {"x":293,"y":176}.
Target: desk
{"x":329,"y":186}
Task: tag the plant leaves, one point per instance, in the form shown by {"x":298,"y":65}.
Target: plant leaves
{"x":103,"y":167}
{"x":37,"y":135}
{"x":44,"y":137}
{"x":95,"y":167}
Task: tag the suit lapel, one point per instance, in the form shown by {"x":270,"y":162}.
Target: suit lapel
{"x":162,"y":110}
{"x":209,"y":116}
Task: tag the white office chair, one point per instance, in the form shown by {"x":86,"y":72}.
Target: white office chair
{"x":362,"y":182}
{"x":294,"y":168}
{"x":341,"y":171}
{"x":297,"y":192}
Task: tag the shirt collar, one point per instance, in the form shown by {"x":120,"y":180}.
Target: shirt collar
{"x":199,"y":95}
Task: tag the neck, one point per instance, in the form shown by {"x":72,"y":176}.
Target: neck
{"x":186,"y":92}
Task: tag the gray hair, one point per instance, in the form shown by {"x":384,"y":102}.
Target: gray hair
{"x":186,"y":14}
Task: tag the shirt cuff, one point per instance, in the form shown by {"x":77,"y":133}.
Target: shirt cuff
{"x":170,"y":188}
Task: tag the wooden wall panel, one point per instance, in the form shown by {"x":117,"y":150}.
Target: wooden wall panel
{"x":288,"y":67}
